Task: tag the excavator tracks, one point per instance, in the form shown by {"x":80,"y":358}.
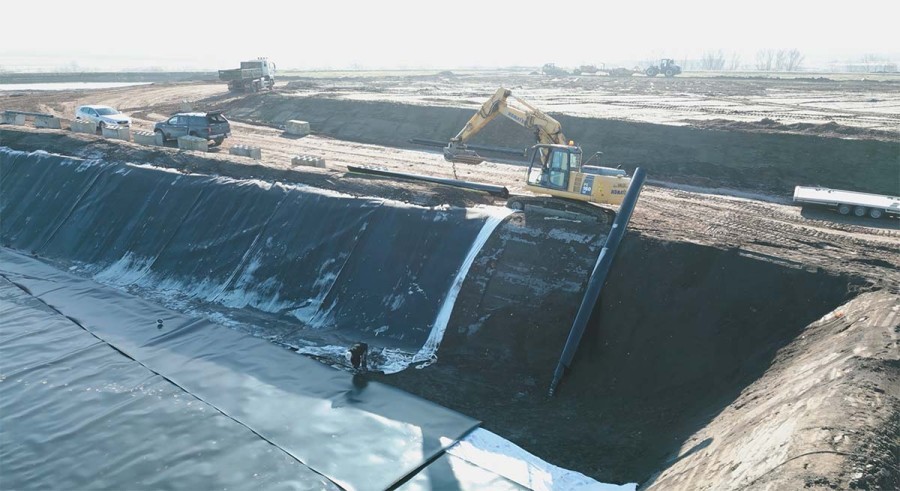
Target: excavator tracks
{"x":562,"y":207}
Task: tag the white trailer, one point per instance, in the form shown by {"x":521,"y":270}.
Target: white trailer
{"x":845,"y":202}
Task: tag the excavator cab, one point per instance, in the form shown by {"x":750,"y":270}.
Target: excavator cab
{"x":559,"y":170}
{"x":552,"y":165}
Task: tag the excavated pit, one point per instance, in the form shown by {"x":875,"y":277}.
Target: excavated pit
{"x":680,"y":331}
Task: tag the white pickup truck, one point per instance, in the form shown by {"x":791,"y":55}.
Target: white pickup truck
{"x":845,"y":202}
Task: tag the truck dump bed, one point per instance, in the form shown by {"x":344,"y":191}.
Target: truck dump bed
{"x":240,"y":74}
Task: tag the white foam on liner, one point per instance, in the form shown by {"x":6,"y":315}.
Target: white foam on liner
{"x":394,"y":360}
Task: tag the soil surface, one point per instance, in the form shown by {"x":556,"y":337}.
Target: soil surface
{"x":770,"y":154}
{"x":741,"y":342}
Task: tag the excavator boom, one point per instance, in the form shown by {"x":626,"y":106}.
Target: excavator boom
{"x":547,"y":130}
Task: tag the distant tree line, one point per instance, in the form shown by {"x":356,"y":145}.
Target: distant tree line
{"x":767,"y":60}
{"x":782,"y":60}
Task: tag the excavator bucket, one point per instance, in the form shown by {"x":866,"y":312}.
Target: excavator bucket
{"x":462,"y":155}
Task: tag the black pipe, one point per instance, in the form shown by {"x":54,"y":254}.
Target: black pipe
{"x":485,"y":148}
{"x":499,"y":191}
{"x":598,"y":276}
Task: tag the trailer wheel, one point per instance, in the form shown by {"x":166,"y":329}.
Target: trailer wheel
{"x":844,"y":209}
{"x":860,"y":211}
{"x":875,"y":213}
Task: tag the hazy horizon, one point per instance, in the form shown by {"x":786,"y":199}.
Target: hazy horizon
{"x":410,"y":35}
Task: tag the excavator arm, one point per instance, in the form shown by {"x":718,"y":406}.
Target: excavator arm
{"x":547,"y":130}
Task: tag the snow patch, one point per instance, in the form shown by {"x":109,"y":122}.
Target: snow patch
{"x":502,"y":457}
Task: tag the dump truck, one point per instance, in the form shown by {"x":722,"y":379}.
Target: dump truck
{"x":845,"y":202}
{"x":252,"y":76}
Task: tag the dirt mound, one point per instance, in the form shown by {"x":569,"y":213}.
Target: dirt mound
{"x":830,"y":129}
{"x":760,"y":161}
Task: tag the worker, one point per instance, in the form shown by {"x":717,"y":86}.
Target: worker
{"x":358,"y":354}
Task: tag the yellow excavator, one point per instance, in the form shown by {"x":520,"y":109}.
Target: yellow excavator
{"x":556,"y":167}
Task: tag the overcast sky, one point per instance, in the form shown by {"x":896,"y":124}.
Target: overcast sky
{"x":449,"y":34}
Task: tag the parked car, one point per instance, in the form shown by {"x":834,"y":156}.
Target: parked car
{"x":102,"y":116}
{"x":212,"y":126}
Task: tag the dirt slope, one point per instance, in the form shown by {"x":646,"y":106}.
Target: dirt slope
{"x":826,"y":415}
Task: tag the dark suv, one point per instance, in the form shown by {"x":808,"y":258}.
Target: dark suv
{"x":212,"y":126}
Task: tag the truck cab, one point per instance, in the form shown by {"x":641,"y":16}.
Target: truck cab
{"x":252,"y":76}
{"x":266,"y":68}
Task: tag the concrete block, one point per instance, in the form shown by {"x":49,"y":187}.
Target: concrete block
{"x":193,"y":143}
{"x":147,"y":138}
{"x":47,"y":122}
{"x":117,"y":132}
{"x":10,"y":117}
{"x":79,"y":126}
{"x":307,"y":161}
{"x":298,"y":128}
{"x":246,"y":151}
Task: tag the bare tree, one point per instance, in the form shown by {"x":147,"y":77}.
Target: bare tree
{"x":764,"y":59}
{"x":712,"y":60}
{"x":735,"y":62}
{"x":780,"y":60}
{"x":70,"y":67}
{"x":794,"y":60}
{"x":867,"y":60}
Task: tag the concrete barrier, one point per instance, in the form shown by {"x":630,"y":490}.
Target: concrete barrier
{"x":298,"y":128}
{"x":47,"y":121}
{"x":308,"y":161}
{"x":193,"y":143}
{"x":246,"y":151}
{"x":116,"y":132}
{"x":79,"y":126}
{"x":10,"y":117}
{"x":148,"y":138}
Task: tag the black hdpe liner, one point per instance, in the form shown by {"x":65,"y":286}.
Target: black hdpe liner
{"x":360,"y":435}
{"x":342,"y":269}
